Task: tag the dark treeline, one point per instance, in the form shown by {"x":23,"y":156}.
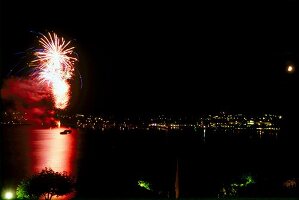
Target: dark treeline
{"x":115,"y":161}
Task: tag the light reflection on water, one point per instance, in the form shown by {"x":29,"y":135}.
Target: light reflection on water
{"x":27,"y":150}
{"x":53,"y":150}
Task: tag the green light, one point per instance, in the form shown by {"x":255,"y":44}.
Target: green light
{"x":8,"y":195}
{"x":233,"y":189}
{"x":144,"y":184}
{"x":249,"y":180}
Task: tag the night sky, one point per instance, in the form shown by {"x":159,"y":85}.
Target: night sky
{"x":168,"y":57}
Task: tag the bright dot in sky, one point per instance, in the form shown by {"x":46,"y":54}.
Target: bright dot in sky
{"x":290,"y":68}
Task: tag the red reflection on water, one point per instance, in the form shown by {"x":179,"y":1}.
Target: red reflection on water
{"x":53,"y":150}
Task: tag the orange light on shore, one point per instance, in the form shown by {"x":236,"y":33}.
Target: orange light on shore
{"x":58,"y":123}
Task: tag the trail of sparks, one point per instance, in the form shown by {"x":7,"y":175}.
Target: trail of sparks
{"x":55,"y":66}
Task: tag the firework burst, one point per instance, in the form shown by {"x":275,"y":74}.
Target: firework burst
{"x":54,"y":64}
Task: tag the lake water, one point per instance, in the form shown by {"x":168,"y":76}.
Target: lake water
{"x":27,"y":150}
{"x":110,"y":164}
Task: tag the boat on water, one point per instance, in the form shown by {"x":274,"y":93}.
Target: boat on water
{"x":67,"y":131}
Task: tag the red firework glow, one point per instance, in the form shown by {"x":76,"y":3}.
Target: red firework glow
{"x":55,"y":66}
{"x":29,"y":97}
{"x":49,"y":88}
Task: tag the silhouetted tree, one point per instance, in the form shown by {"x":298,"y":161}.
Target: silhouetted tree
{"x":45,"y":184}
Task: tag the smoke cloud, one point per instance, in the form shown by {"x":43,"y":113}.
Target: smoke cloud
{"x":31,"y":97}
